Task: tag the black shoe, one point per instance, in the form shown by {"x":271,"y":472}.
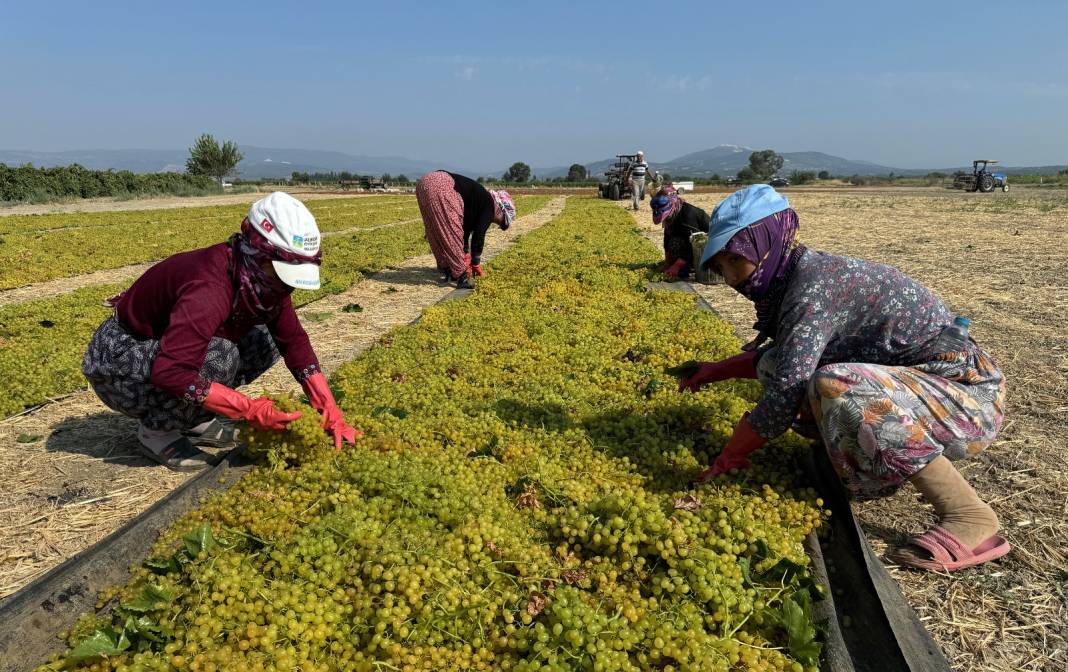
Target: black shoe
{"x":465,"y":282}
{"x":180,"y":455}
{"x":218,"y":434}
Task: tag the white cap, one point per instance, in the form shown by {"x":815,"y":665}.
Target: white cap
{"x":288,"y":225}
{"x":641,"y":153}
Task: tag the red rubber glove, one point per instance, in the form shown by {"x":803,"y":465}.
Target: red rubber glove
{"x":675,"y":269}
{"x":260,"y":413}
{"x":477,"y":271}
{"x":322,"y":400}
{"x":467,"y":262}
{"x":735,"y":454}
{"x":739,"y":366}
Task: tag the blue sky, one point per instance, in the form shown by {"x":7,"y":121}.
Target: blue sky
{"x":904,"y":84}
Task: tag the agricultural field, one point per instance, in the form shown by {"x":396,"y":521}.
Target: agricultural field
{"x":362,"y":236}
{"x":521,"y":500}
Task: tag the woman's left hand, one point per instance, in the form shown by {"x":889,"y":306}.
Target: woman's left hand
{"x":735,"y":454}
{"x":322,"y":399}
{"x":335,"y":425}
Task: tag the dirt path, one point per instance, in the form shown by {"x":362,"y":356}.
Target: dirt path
{"x":72,"y":470}
{"x":59,"y":286}
{"x":1003,"y":264}
{"x":162,"y":202}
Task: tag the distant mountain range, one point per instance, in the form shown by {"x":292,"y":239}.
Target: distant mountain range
{"x":727,"y":160}
{"x":265,"y":162}
{"x":259,"y":162}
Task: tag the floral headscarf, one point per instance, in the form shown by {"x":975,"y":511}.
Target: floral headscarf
{"x":503,"y":200}
{"x":666,"y":204}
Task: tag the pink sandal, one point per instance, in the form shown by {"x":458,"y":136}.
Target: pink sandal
{"x":948,"y":553}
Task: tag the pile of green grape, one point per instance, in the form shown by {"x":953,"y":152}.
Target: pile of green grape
{"x":521,"y":500}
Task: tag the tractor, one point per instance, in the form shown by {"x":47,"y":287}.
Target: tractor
{"x":980,"y":178}
{"x":616,"y":183}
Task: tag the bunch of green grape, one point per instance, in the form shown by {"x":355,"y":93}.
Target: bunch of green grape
{"x":303,"y":440}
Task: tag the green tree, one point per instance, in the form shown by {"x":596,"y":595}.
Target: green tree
{"x":802,"y":177}
{"x":577,"y":173}
{"x":824,"y":175}
{"x":208,"y":157}
{"x":764,"y":164}
{"x":747,"y":175}
{"x":519,"y":172}
{"x":403,"y":179}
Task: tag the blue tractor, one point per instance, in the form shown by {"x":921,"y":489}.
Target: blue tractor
{"x":981,"y":179}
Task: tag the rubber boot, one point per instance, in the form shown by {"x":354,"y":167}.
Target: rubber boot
{"x":959,"y":509}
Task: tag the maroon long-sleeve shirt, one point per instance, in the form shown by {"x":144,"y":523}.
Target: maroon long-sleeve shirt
{"x":183,"y":302}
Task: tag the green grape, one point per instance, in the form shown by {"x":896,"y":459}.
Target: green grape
{"x":519,"y":502}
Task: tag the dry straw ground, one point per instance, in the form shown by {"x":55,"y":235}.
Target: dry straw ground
{"x":1001,"y":259}
{"x":83,"y":477}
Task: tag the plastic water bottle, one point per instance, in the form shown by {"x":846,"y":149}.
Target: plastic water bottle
{"x":954,"y":338}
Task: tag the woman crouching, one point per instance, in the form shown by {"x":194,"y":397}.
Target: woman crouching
{"x":866,"y":355}
{"x":200,"y":323}
{"x":680,"y":221}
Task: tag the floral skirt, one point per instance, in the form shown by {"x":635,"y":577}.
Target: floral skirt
{"x":882,"y":424}
{"x":119,"y":369}
{"x":442,"y":211}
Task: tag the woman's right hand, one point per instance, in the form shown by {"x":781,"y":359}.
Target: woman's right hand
{"x":260,"y":413}
{"x":739,"y":366}
{"x":707,"y":372}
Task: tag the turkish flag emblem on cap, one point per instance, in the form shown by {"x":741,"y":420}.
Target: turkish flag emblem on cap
{"x":267,"y":226}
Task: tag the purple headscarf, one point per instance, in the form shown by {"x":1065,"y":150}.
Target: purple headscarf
{"x":771,"y":245}
{"x":259,"y":294}
{"x":666,"y":204}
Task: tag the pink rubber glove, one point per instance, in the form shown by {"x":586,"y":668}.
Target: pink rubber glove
{"x":477,"y":271}
{"x":675,"y":269}
{"x":739,"y":366}
{"x":467,"y":262}
{"x":322,"y":400}
{"x":260,"y":413}
{"x":735,"y":454}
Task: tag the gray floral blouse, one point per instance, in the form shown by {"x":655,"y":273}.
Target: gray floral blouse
{"x":838,"y":309}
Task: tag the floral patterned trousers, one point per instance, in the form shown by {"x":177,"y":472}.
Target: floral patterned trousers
{"x":882,"y":424}
{"x":119,"y":369}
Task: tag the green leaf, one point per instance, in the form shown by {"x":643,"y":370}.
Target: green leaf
{"x":27,"y":438}
{"x":199,"y":540}
{"x":150,"y":598}
{"x":744,"y":564}
{"x":797,"y":622}
{"x":487,"y":450}
{"x":103,"y":642}
{"x":683,"y":370}
{"x":143,"y":628}
{"x":651,"y":387}
{"x":389,"y":410}
{"x":164,"y":565}
{"x":353,"y":308}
